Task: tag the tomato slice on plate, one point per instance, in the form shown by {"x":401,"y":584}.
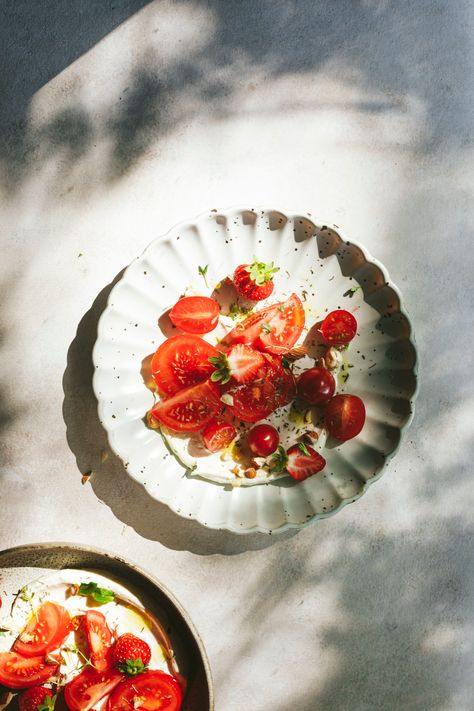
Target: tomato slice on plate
{"x":345,"y":416}
{"x":17,"y":672}
{"x":274,"y":329}
{"x":190,"y":409}
{"x":218,"y":434}
{"x":45,"y":631}
{"x":273,"y":388}
{"x":181,"y":361}
{"x":155,"y":690}
{"x":90,"y":686}
{"x":339,"y":327}
{"x":99,"y":639}
{"x":195,"y":314}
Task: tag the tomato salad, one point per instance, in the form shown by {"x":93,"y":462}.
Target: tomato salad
{"x":71,"y":641}
{"x":242,"y":383}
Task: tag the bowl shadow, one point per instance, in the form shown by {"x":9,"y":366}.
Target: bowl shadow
{"x":127,"y":499}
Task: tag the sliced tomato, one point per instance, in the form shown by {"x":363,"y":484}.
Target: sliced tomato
{"x":217,"y":435}
{"x":154,"y":690}
{"x":45,"y":631}
{"x":195,"y":314}
{"x":190,"y":409}
{"x":280,"y":332}
{"x":339,"y":327}
{"x":90,"y":686}
{"x":248,"y":330}
{"x":345,"y":416}
{"x":274,"y":388}
{"x":99,"y":639}
{"x":17,"y":672}
{"x":182,"y":361}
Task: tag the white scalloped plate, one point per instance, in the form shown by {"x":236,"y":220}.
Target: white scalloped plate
{"x":382,"y":356}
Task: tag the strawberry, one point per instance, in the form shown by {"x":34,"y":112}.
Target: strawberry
{"x":37,"y":698}
{"x":300,"y":461}
{"x":131,"y":654}
{"x":255,"y":281}
{"x":241,"y":362}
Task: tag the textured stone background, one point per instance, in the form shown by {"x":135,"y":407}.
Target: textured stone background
{"x":118,"y":119}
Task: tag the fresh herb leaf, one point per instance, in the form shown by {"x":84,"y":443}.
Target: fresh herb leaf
{"x":132,"y":667}
{"x":350,"y":292}
{"x":203,"y":272}
{"x":25,"y":595}
{"x":100,"y":595}
{"x":266,"y":328}
{"x":281,"y":307}
{"x":48,"y":703}
{"x":285,"y":363}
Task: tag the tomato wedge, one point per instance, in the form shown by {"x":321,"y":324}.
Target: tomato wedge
{"x":156,"y":691}
{"x":99,"y":639}
{"x":45,"y":631}
{"x":181,"y":361}
{"x":274,"y":329}
{"x":190,"y":409}
{"x":90,"y":686}
{"x":345,"y":416}
{"x":217,"y":435}
{"x":274,"y":388}
{"x":195,"y":314}
{"x":17,"y":672}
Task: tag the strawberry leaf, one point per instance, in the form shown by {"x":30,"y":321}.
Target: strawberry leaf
{"x":132,"y":667}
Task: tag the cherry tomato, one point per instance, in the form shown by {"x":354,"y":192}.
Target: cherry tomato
{"x":217,"y":435}
{"x":273,"y":388}
{"x":190,"y":409}
{"x":99,"y":639}
{"x":17,"y":672}
{"x":90,"y":686}
{"x":280,"y":332}
{"x":339,"y":327}
{"x":316,"y":385}
{"x":345,"y":416}
{"x":182,"y":361}
{"x":263,"y":440}
{"x":195,"y":314}
{"x":155,"y":690}
{"x":45,"y":631}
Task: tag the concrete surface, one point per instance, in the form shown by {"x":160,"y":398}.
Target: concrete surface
{"x":118,"y":120}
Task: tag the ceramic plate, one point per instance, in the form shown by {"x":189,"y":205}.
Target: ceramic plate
{"x":334,"y":273}
{"x":23,"y":565}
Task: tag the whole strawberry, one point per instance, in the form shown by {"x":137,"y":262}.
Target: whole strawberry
{"x":37,"y":698}
{"x":131,"y":654}
{"x":255,"y":281}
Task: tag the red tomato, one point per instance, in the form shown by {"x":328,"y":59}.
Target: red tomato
{"x":345,"y":416}
{"x":156,"y":691}
{"x":99,"y":639}
{"x":217,"y":435}
{"x":195,"y":314}
{"x":182,"y":361}
{"x":280,"y":332}
{"x":47,"y":630}
{"x":339,"y":327}
{"x":316,"y":385}
{"x":17,"y":672}
{"x":33,"y":697}
{"x":89,"y":687}
{"x":190,"y":409}
{"x":263,"y":440}
{"x":248,"y":330}
{"x":255,"y":401}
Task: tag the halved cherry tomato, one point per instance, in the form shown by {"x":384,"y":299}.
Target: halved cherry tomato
{"x":316,"y":385}
{"x":17,"y":672}
{"x":254,"y":401}
{"x":190,"y":409}
{"x":90,"y":686}
{"x":345,"y":416}
{"x":280,"y":332}
{"x":339,"y":327}
{"x":182,"y":361}
{"x":155,"y":690}
{"x":263,"y":440}
{"x":45,"y":631}
{"x":217,"y":435}
{"x":99,"y":639}
{"x":195,"y":314}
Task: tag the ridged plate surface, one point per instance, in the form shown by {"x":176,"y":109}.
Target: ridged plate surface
{"x":382,"y":359}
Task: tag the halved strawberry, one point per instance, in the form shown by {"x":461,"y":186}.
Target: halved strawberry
{"x":241,"y":362}
{"x":300,"y":461}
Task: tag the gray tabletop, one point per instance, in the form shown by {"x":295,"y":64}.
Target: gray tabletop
{"x":120,"y":119}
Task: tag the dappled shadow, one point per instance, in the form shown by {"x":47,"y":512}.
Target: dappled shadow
{"x":110,"y":481}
